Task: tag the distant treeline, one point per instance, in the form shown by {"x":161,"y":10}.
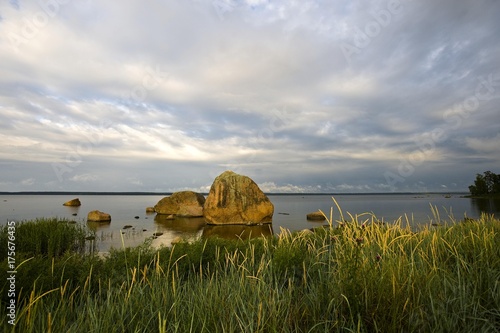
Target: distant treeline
{"x":486,"y":184}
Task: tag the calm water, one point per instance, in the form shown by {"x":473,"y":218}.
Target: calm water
{"x":289,"y":212}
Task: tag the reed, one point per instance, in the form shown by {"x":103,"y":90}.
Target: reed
{"x":49,"y":237}
{"x":358,"y":274}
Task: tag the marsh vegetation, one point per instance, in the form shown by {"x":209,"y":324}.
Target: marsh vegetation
{"x":355,"y":275}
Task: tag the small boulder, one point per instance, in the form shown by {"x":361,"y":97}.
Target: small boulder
{"x":237,"y":199}
{"x":316,"y":216}
{"x":98,"y":216}
{"x":73,"y":203}
{"x":184,"y":203}
{"x":150,"y":209}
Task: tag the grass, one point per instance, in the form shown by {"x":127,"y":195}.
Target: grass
{"x":356,"y":275}
{"x":48,"y":237}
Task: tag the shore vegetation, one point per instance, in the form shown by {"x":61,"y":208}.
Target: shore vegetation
{"x":358,"y":274}
{"x":486,"y":185}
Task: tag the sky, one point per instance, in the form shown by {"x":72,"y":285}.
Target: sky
{"x":343,"y":96}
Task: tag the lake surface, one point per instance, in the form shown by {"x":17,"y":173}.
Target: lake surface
{"x":289,"y":213}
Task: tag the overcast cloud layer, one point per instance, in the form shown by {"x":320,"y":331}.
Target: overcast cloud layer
{"x":302,"y":96}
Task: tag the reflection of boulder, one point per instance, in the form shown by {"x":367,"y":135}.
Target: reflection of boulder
{"x":184,"y":203}
{"x":236,"y":199}
{"x":95,"y":226}
{"x":73,"y":203}
{"x":98,"y":216}
{"x":180,"y":224}
{"x":238,"y":231}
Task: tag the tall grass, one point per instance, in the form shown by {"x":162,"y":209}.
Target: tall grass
{"x":50,"y":237}
{"x":356,"y":275}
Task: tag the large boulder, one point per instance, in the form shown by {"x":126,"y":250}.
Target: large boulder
{"x":184,"y":203}
{"x":73,"y":203}
{"x":98,"y":216}
{"x":236,"y":199}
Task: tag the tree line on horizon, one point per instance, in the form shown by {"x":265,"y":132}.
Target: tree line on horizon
{"x":486,"y":184}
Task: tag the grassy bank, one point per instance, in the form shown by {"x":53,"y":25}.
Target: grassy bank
{"x":363,"y":276}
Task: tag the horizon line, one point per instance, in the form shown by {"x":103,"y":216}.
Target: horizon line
{"x":170,"y":193}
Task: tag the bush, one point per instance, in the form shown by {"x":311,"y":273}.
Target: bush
{"x":486,"y":184}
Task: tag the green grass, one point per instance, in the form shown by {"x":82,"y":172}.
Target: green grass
{"x":363,"y":276}
{"x":48,"y":237}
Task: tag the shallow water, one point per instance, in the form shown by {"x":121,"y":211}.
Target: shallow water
{"x":289,"y":212}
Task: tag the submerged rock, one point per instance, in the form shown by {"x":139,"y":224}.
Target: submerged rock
{"x":98,"y":216}
{"x":73,"y":203}
{"x":237,"y":199}
{"x":184,"y":203}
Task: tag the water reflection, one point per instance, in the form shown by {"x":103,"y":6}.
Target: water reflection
{"x":98,"y":226}
{"x":73,"y":210}
{"x":167,"y":231}
{"x":486,"y":205}
{"x":190,"y":227}
{"x":181,"y":225}
{"x":238,"y":231}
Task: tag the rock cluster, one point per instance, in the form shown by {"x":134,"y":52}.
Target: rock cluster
{"x":233,"y":199}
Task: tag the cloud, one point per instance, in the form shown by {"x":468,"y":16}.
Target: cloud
{"x":262,"y":87}
{"x":488,"y":145}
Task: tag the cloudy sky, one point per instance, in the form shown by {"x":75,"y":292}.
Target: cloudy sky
{"x":302,"y":96}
